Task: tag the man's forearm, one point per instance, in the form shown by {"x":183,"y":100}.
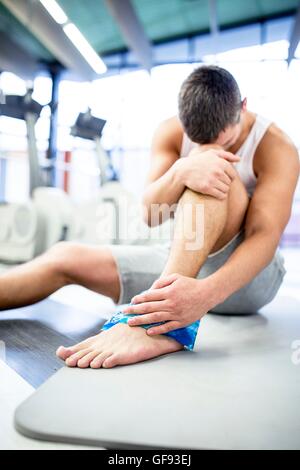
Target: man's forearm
{"x":248,"y":260}
{"x":207,"y":172}
{"x":163,"y":194}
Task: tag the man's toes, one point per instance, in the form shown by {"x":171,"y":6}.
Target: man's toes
{"x":86,"y":360}
{"x":72,"y":360}
{"x":98,"y":361}
{"x":112,"y":361}
{"x":64,"y":353}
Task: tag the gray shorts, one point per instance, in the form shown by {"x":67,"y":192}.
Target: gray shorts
{"x":139,"y":266}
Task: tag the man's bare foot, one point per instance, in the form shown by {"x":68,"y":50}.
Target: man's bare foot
{"x":119,"y":345}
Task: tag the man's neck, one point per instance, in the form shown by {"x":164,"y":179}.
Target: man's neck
{"x":248,"y":120}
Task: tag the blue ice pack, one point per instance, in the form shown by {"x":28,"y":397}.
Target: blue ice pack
{"x":185,"y":336}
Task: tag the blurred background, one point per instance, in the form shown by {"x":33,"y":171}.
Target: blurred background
{"x":106,"y":73}
{"x":83,"y":85}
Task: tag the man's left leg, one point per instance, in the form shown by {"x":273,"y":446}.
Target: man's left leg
{"x":221,"y":221}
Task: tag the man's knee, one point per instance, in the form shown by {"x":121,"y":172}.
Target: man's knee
{"x":75,"y":261}
{"x":237,"y":206}
{"x":238,"y":201}
{"x":238,"y":190}
{"x":61,"y":258}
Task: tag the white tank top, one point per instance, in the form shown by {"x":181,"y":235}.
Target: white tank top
{"x":246,"y":152}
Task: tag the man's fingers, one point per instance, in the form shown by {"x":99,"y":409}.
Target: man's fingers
{"x":149,"y":296}
{"x":230,"y":171}
{"x":156,"y":317}
{"x":147,"y":307}
{"x":214,"y":192}
{"x":165,"y":328}
{"x":225,"y":178}
{"x":230,"y":157}
{"x":220,"y":186}
{"x":164,"y":281}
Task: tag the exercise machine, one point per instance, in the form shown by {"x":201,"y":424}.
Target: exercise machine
{"x":114,"y":216}
{"x":89,"y":127}
{"x":29,"y":229}
{"x":103,"y":217}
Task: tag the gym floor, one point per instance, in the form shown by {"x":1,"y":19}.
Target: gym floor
{"x":30,"y":336}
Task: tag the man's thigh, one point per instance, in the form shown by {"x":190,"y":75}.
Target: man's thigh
{"x":259,"y":292}
{"x":138,"y":267}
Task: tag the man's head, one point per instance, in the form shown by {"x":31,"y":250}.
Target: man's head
{"x":210,"y":106}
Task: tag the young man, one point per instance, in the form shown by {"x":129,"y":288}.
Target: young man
{"x":241,"y":170}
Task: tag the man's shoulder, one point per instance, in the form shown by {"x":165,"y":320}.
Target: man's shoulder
{"x":275,"y":145}
{"x":276,"y":153}
{"x":275,"y":139}
{"x":171,"y":131}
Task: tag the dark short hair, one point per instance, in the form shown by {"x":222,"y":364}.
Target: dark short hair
{"x":209,"y":102}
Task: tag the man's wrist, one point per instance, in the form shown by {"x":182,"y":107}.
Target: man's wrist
{"x":179,"y":173}
{"x":215,"y":289}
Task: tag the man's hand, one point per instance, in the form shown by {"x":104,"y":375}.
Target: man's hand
{"x":208,"y":171}
{"x":175,"y":299}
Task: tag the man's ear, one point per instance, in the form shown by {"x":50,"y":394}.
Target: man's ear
{"x":244,"y":105}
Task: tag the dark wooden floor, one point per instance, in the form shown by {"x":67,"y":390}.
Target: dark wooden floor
{"x":32,"y":335}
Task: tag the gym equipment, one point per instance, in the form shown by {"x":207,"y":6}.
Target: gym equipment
{"x":28,"y":110}
{"x":57,"y":218}
{"x":31,"y":228}
{"x":89,"y":127}
{"x":18,"y":229}
{"x":240,"y":390}
{"x":114,"y":216}
{"x":103,"y":215}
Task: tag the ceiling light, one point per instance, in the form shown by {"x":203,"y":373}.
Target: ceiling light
{"x":84,"y":48}
{"x":55,"y":11}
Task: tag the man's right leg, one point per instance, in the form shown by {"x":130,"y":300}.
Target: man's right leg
{"x":65,"y":263}
{"x":122,"y":344}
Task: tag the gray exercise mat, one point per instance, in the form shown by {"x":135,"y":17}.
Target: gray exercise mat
{"x":240,"y":390}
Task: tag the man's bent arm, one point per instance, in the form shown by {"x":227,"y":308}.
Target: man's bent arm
{"x":268,"y":214}
{"x":208,"y":170}
{"x":186,"y":299}
{"x":164,"y":184}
